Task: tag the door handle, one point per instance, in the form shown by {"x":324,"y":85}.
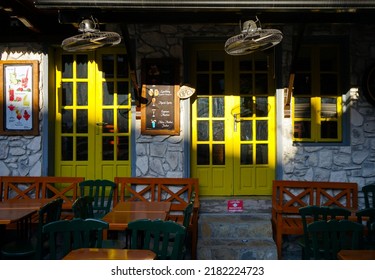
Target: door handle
{"x":101,"y":123}
{"x":236,"y":120}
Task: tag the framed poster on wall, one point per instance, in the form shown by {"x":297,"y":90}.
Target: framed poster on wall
{"x":19,"y":97}
{"x":160,"y":106}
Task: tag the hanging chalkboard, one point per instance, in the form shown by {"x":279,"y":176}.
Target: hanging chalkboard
{"x":160,"y":104}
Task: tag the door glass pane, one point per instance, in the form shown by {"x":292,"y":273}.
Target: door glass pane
{"x":217,"y":83}
{"x":108,"y":148}
{"x":122,"y":93}
{"x":66,"y":148}
{"x":302,"y":129}
{"x":203,"y":131}
{"x":302,"y":108}
{"x":123,"y":120}
{"x":302,"y":84}
{"x":82,"y":94}
{"x":108,"y":90}
{"x":261,"y":83}
{"x":262,"y":107}
{"x":218,"y":107}
{"x":329,"y":129}
{"x":217,"y":61}
{"x":246,"y":64}
{"x":203,"y":84}
{"x":82,"y":148}
{"x":203,"y":107}
{"x":262,"y":154}
{"x":82,"y":61}
{"x":328,"y":58}
{"x":218,"y":130}
{"x":328,"y":84}
{"x":67,"y":94}
{"x":123,"y":148}
{"x":67,"y":66}
{"x":108,"y":66}
{"x":203,"y":154}
{"x":246,"y":107}
{"x":246,"y":130}
{"x":218,"y":154}
{"x":246,"y":84}
{"x":246,"y":154}
{"x":122,"y":66}
{"x":82,"y":121}
{"x":203,"y":62}
{"x":108,"y":123}
{"x":261,"y":63}
{"x":329,"y":108}
{"x":262,"y":130}
{"x":67,"y":121}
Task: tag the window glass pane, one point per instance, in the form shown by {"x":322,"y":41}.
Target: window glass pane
{"x":218,"y":61}
{"x":246,"y":130}
{"x":123,"y":93}
{"x":82,"y":66}
{"x":203,"y":154}
{"x":82,"y":148}
{"x":218,"y":154}
{"x":108,"y":90}
{"x":108,"y":148}
{"x":203,"y":84}
{"x":246,"y":64}
{"x":329,"y":108}
{"x":203,"y":107}
{"x":261,"y":153}
{"x":217,"y":83}
{"x":262,"y":106}
{"x":82,"y":94}
{"x":203,"y":62}
{"x":82,"y":121}
{"x":67,"y":121}
{"x":302,"y":129}
{"x":123,"y":120}
{"x":246,"y":154}
{"x":67,"y":148}
{"x":328,"y":84}
{"x":246,"y":84}
{"x":262,"y":130}
{"x":329,"y":129}
{"x":218,"y":130}
{"x":108,"y":66}
{"x":303,"y":61}
{"x":108,"y":123}
{"x":203,"y":131}
{"x":123,"y":148}
{"x":67,"y":94}
{"x":302,"y":84}
{"x":302,"y":108}
{"x":261,"y":63}
{"x":261,"y":84}
{"x":329,"y":58}
{"x":246,"y":106}
{"x":67,"y":66}
{"x":218,"y":107}
{"x":122,"y":66}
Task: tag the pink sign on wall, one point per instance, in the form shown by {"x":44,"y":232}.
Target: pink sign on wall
{"x":235,"y":205}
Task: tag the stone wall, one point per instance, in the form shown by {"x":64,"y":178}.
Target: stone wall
{"x":22,"y":155}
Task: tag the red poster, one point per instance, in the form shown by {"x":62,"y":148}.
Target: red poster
{"x":235,"y":205}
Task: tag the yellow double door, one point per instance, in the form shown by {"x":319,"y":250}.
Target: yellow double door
{"x":92,"y":114}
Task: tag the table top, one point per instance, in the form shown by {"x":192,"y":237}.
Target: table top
{"x":118,"y":220}
{"x":109,"y":254}
{"x":138,"y":206}
{"x":356,"y":255}
{"x":23,"y":203}
{"x":8,"y":216}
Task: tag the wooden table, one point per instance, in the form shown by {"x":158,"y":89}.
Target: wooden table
{"x":135,"y":206}
{"x":109,"y":254}
{"x":356,"y":255}
{"x":8,"y":216}
{"x":24,"y":203}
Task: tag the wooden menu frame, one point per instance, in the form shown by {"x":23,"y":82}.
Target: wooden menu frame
{"x":19,"y":97}
{"x":160,"y":104}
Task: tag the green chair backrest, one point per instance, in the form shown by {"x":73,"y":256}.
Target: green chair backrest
{"x":67,"y":235}
{"x":187,"y":215}
{"x":165,"y":238}
{"x":82,"y":207}
{"x":329,"y":237}
{"x":102,"y":193}
{"x":367,"y":216}
{"x":369,"y":195}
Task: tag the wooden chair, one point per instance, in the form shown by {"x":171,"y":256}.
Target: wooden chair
{"x":28,"y":247}
{"x":369,"y":195}
{"x":101,"y":192}
{"x":313,"y":213}
{"x":329,"y":237}
{"x":165,"y":238}
{"x":74,"y":234}
{"x":367,"y":217}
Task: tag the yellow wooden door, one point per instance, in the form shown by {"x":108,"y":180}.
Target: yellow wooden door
{"x":233,"y":122}
{"x":93,"y":114}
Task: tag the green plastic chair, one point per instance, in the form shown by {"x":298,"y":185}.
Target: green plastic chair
{"x":82,"y":207}
{"x":329,"y":237}
{"x":369,"y":195}
{"x":313,"y":213}
{"x":101,"y":192}
{"x":165,"y":238}
{"x":367,"y":217}
{"x":31,"y":246}
{"x":67,"y":235}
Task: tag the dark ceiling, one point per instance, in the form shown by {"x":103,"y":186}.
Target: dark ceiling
{"x":22,"y":21}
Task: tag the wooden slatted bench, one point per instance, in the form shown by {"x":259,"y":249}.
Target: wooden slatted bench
{"x":289,"y":196}
{"x":43,"y":187}
{"x":178,"y":191}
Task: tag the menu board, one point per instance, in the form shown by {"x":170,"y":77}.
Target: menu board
{"x":160,"y":113}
